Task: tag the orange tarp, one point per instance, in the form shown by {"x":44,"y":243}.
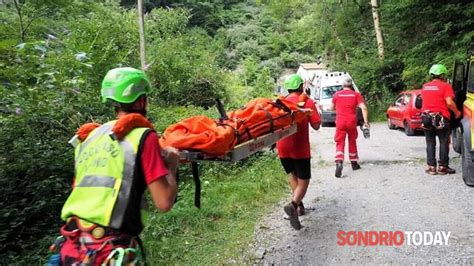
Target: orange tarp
{"x":216,"y":137}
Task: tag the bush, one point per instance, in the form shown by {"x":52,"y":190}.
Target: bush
{"x":294,"y":59}
{"x":185,"y":71}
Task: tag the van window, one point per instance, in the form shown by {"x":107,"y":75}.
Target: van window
{"x":470,"y":78}
{"x":328,"y":92}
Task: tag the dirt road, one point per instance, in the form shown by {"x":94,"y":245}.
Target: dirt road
{"x":390,"y":193}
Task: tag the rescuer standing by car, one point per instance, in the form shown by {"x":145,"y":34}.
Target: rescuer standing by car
{"x":438,"y":97}
{"x":345,"y":102}
{"x":294,"y":150}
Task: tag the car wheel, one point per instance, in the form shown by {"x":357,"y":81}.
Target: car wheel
{"x":456,"y":138}
{"x":408,"y":130}
{"x":389,"y":123}
{"x":467,"y":164}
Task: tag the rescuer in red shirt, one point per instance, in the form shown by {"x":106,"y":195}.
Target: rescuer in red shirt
{"x":438,"y":97}
{"x":294,"y":150}
{"x":345,"y":102}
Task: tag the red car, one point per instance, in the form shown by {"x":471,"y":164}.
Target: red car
{"x":403,"y":113}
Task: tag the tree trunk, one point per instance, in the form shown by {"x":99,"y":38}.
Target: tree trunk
{"x":336,"y":34}
{"x":141,"y":24}
{"x":18,"y":11}
{"x":378,"y":29}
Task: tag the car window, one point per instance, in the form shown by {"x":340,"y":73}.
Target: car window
{"x":399,"y":100}
{"x":407,"y":98}
{"x":328,"y":92}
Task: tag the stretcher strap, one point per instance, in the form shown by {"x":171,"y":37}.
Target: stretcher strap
{"x":270,"y":119}
{"x":197,"y":184}
{"x":236,"y":132}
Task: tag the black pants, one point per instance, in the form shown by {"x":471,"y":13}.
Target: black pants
{"x":443,"y":136}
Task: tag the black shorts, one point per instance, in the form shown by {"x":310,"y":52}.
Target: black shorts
{"x":301,"y":168}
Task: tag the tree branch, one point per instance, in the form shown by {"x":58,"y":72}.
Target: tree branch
{"x":18,"y":11}
{"x":39,"y":14}
{"x":360,"y":7}
{"x":333,"y":26}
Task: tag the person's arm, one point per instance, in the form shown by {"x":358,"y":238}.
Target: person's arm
{"x":159,"y":169}
{"x":365,"y":113}
{"x":163,"y":191}
{"x":315,"y":125}
{"x":363,"y":108}
{"x":314,"y":117}
{"x":448,"y":97}
{"x":452,"y":106}
{"x":332,"y":106}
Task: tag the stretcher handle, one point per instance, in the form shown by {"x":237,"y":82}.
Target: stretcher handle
{"x":221,"y":110}
{"x":197,"y":184}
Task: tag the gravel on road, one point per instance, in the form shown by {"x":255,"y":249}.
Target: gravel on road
{"x":390,"y":193}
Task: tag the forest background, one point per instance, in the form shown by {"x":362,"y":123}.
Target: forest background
{"x":54,"y":54}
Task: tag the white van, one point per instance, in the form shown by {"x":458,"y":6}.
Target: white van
{"x":324,"y":89}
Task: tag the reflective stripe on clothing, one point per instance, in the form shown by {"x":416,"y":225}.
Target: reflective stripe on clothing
{"x":127,"y":180}
{"x":97,"y":181}
{"x":105,"y":170}
{"x":344,"y":129}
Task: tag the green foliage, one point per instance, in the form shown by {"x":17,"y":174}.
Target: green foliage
{"x":264,"y":84}
{"x":233,"y":198}
{"x":249,"y":73}
{"x":49,"y":88}
{"x":185,"y":70}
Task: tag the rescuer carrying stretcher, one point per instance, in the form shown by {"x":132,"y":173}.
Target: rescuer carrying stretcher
{"x":294,"y":151}
{"x":114,"y":164}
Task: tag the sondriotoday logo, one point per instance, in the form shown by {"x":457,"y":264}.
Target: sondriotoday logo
{"x":393,"y":238}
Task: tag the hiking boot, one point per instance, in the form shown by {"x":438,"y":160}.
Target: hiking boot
{"x":300,"y":209}
{"x":355,"y":166}
{"x":290,"y":210}
{"x":338,"y":169}
{"x":442,"y":170}
{"x":431,"y":170}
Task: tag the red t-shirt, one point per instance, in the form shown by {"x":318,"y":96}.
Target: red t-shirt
{"x":296,"y":146}
{"x":434,"y":94}
{"x":152,"y":163}
{"x":345,"y":103}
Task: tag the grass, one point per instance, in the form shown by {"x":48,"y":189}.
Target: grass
{"x":234,"y":198}
{"x":377,"y":112}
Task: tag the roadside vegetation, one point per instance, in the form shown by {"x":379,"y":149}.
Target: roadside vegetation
{"x":54,"y":54}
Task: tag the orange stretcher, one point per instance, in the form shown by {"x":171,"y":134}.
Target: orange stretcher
{"x":234,"y":136}
{"x":215,"y":138}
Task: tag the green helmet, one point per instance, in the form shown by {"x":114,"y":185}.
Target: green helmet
{"x":438,"y":70}
{"x":293,"y":82}
{"x":124,"y":85}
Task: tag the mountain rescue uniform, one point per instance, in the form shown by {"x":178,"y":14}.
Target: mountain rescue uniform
{"x":103,"y":212}
{"x":434,"y":94}
{"x":294,"y":150}
{"x":114,"y":164}
{"x":295,"y":155}
{"x":345,"y":103}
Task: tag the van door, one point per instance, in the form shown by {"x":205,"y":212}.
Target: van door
{"x":459,"y":84}
{"x":459,"y":88}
